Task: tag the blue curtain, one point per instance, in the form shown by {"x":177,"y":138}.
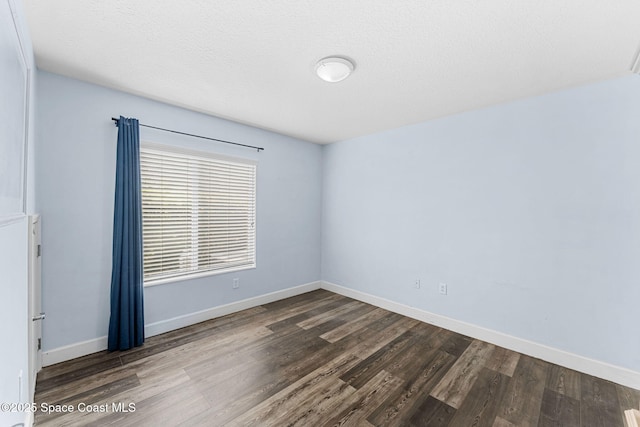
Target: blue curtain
{"x":126,"y":325}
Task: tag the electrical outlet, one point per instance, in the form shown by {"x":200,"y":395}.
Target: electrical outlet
{"x":236,"y":283}
{"x":442,"y":288}
{"x":416,"y":284}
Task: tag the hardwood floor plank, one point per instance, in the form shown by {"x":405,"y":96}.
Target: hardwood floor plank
{"x":372,"y":365}
{"x":83,"y":372}
{"x":432,"y":413}
{"x":268,"y":316}
{"x":280,"y":402}
{"x":350,"y":364}
{"x":481,"y":405}
{"x":224,"y":355}
{"x":82,"y":384}
{"x":268,"y":377}
{"x":194,"y":333}
{"x":456,"y":344}
{"x":286,"y":319}
{"x":174,"y":378}
{"x":412,"y":359}
{"x":273,"y":377}
{"x":351,"y":327}
{"x":366,"y":342}
{"x":160,"y":409}
{"x":356,"y":407}
{"x":564,"y":381}
{"x":400,"y":405}
{"x":628,"y":397}
{"x":220,"y":387}
{"x":523,"y":399}
{"x":226,"y":347}
{"x":503,"y":361}
{"x":599,"y":406}
{"x":455,"y":385}
{"x":388,"y":320}
{"x":351,"y":316}
{"x":95,"y":360}
{"x":284,"y":313}
{"x":501,"y":422}
{"x":299,"y":344}
{"x":558,"y":410}
{"x":307,"y":299}
{"x":321,"y":318}
{"x":101,"y":392}
{"x":315,"y":405}
{"x":356,"y":345}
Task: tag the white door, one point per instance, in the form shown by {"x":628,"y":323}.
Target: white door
{"x":35,"y":302}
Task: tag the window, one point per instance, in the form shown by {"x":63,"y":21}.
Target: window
{"x":198,"y":213}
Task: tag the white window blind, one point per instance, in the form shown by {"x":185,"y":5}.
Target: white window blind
{"x":198,"y":213}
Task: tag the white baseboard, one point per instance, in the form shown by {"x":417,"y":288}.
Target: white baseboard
{"x":222,"y":310}
{"x":72,"y":351}
{"x":596,"y":368}
{"x":29,"y":419}
{"x":95,"y":345}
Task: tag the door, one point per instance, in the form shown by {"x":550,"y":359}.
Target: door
{"x":35,"y":302}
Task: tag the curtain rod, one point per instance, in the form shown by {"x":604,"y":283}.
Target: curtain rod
{"x":195,"y":136}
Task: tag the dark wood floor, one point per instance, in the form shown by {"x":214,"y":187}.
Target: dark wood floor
{"x":323,"y":359}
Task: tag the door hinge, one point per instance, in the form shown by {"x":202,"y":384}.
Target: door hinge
{"x":39,"y":344}
{"x":39,"y":250}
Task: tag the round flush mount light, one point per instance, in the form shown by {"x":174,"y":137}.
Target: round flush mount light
{"x":334,"y":69}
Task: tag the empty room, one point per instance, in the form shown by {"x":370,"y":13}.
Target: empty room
{"x":340,"y":213}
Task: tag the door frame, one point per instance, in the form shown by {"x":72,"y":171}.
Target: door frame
{"x":35,"y":301}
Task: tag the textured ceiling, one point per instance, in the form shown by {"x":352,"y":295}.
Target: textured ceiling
{"x":252,"y":61}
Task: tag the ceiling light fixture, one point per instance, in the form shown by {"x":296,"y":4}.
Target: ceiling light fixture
{"x":334,"y":69}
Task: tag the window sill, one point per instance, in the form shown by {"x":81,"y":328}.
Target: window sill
{"x":195,"y":276}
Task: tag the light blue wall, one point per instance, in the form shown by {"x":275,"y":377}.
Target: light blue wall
{"x":76,"y":146}
{"x":14,"y":316}
{"x":529,"y":211}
